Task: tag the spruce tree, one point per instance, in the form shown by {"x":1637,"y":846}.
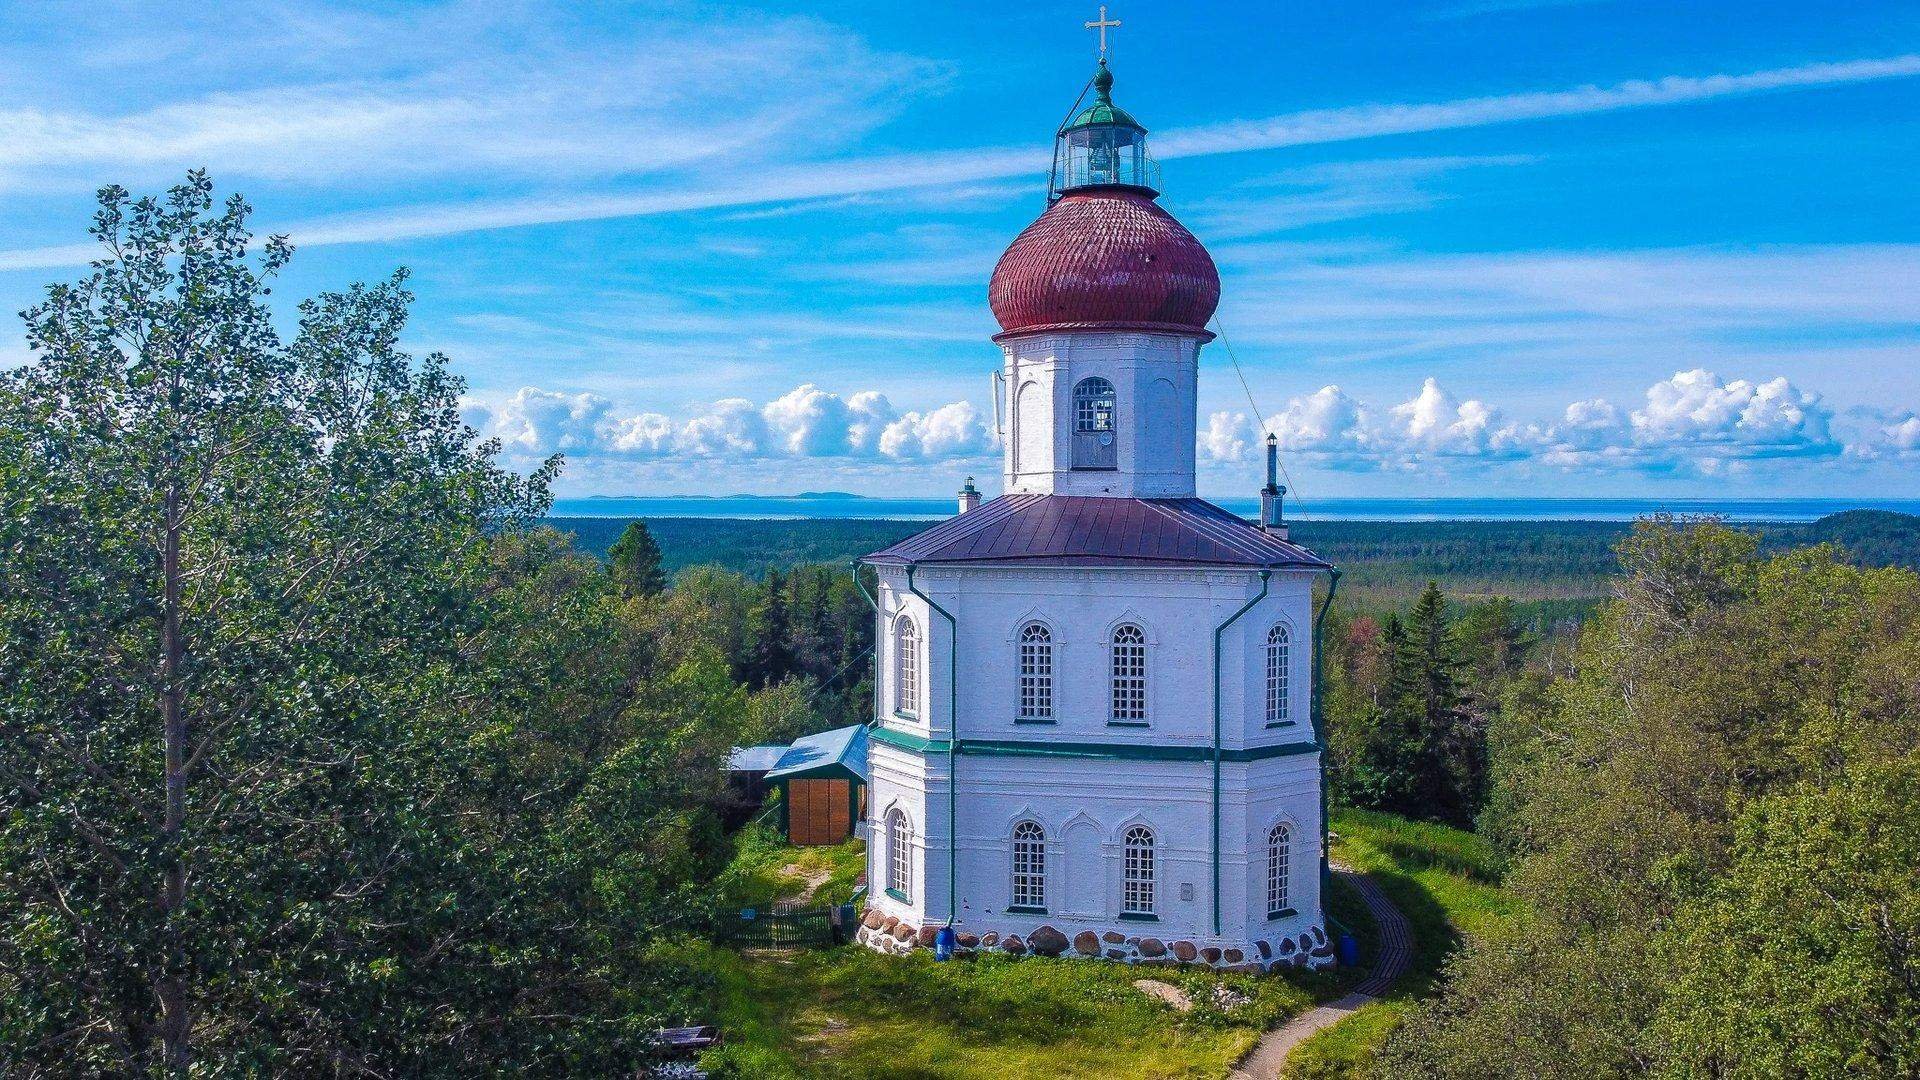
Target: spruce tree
{"x":770,"y":656}
{"x":634,"y":562}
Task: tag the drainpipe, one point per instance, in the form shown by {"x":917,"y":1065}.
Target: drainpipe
{"x":874,"y":602}
{"x":1265,"y":578}
{"x":953,"y":746}
{"x":1319,"y":736}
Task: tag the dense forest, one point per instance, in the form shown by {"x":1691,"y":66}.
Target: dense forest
{"x":1387,"y":561}
{"x":324,"y":754}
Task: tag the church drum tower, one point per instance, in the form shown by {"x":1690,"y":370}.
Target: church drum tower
{"x":1094,"y":730}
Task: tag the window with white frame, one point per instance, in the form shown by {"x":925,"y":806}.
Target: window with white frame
{"x":1036,"y":673}
{"x":1029,"y":865}
{"x":1093,"y":402}
{"x":899,"y":858}
{"x":1279,"y":870}
{"x":906,"y":668}
{"x":1129,"y":675}
{"x":1279,"y":707}
{"x":1137,"y":899}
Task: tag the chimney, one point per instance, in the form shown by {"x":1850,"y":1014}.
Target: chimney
{"x":1273,"y":517}
{"x":969,"y":496}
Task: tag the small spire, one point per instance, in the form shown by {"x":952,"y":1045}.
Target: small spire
{"x":1103,"y":83}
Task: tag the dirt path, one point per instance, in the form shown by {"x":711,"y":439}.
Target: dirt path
{"x":1396,"y":951}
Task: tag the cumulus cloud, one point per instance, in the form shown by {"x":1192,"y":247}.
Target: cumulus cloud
{"x":1692,"y":421}
{"x":806,"y":422}
{"x":1735,"y":419}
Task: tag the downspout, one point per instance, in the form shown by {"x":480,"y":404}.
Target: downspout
{"x":1319,"y":736}
{"x":953,"y":746}
{"x":874,"y":602}
{"x":1265,"y":579}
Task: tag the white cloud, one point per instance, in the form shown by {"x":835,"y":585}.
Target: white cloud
{"x":1692,"y":421}
{"x":1695,"y":411}
{"x":806,"y":422}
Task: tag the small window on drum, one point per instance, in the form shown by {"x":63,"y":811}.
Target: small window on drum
{"x":1094,"y":425}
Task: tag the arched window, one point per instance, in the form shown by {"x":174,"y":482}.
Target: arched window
{"x":1094,"y":424}
{"x":1279,"y":707}
{"x":899,"y":858}
{"x":1036,"y":673}
{"x":1093,"y":405}
{"x":1138,"y":896}
{"x":906,"y":668}
{"x":1129,"y":675}
{"x":1029,"y":866}
{"x":1279,"y":870}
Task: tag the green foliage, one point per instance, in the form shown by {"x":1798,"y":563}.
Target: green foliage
{"x":318,"y":758}
{"x":1681,"y":815}
{"x":1802,"y":959}
{"x":634,"y":562}
{"x":1407,"y":734}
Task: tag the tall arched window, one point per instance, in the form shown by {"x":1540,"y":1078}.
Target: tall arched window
{"x":1279,"y":870}
{"x":1129,"y":682}
{"x":899,"y":858}
{"x":1138,"y":896}
{"x":1036,"y":673}
{"x":906,"y":668}
{"x":1279,"y":705}
{"x":1029,"y":866}
{"x":1094,"y":424}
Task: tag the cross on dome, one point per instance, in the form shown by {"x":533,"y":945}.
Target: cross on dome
{"x":1101,"y":24}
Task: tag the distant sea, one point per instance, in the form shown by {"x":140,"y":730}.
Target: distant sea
{"x":834,"y":505}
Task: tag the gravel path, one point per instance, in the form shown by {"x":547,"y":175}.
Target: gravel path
{"x":1396,"y":951}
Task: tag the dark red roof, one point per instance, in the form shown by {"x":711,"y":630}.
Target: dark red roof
{"x":1107,"y":258}
{"x":1082,"y":530}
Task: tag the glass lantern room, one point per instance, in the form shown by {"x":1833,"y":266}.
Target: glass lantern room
{"x":1102,"y":146}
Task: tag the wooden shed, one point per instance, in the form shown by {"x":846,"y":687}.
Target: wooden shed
{"x":823,"y":785}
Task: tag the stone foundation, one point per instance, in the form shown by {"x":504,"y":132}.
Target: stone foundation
{"x":1309,"y":949}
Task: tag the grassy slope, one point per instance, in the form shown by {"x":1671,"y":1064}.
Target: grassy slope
{"x":850,"y":1012}
{"x":1445,"y":882}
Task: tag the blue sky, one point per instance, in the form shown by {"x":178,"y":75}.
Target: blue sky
{"x":1472,"y":247}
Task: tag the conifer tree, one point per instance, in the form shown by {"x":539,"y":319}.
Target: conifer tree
{"x":634,"y":562}
{"x":770,"y":651}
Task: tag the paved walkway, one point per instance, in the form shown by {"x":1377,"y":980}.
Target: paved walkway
{"x":1396,"y":951}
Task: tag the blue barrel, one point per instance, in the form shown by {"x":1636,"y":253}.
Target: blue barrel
{"x":1349,"y":951}
{"x":944,"y":943}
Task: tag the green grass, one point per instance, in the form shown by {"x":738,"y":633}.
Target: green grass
{"x":851,"y":1012}
{"x":766,"y":870}
{"x":1445,"y":881}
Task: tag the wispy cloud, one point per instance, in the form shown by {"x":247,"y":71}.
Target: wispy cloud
{"x":868,"y":175}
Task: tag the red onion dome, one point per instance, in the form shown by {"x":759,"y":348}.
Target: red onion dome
{"x":1104,"y":258}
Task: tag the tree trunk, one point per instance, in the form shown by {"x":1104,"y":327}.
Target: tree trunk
{"x":175,"y":1024}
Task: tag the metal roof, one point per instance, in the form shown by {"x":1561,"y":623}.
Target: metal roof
{"x":841,"y":753}
{"x":1080,"y":530}
{"x":754,"y":758}
{"x":1105,"y":257}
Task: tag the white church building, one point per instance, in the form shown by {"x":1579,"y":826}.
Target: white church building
{"x":1095,"y":730}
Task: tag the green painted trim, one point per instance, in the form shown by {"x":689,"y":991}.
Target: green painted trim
{"x":1319,"y":731}
{"x":1266,"y":581}
{"x":953,"y":744}
{"x":1016,"y":909}
{"x":1284,"y":723}
{"x":900,"y":896}
{"x":920,"y":744}
{"x":1129,"y":723}
{"x":874,"y":602}
{"x":1135,"y":916}
{"x":1283,"y":913}
{"x":1037,"y":721}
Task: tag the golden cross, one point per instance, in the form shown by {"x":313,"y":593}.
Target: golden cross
{"x":1101,"y":25}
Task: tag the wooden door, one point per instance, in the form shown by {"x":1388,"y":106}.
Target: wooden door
{"x":819,"y":812}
